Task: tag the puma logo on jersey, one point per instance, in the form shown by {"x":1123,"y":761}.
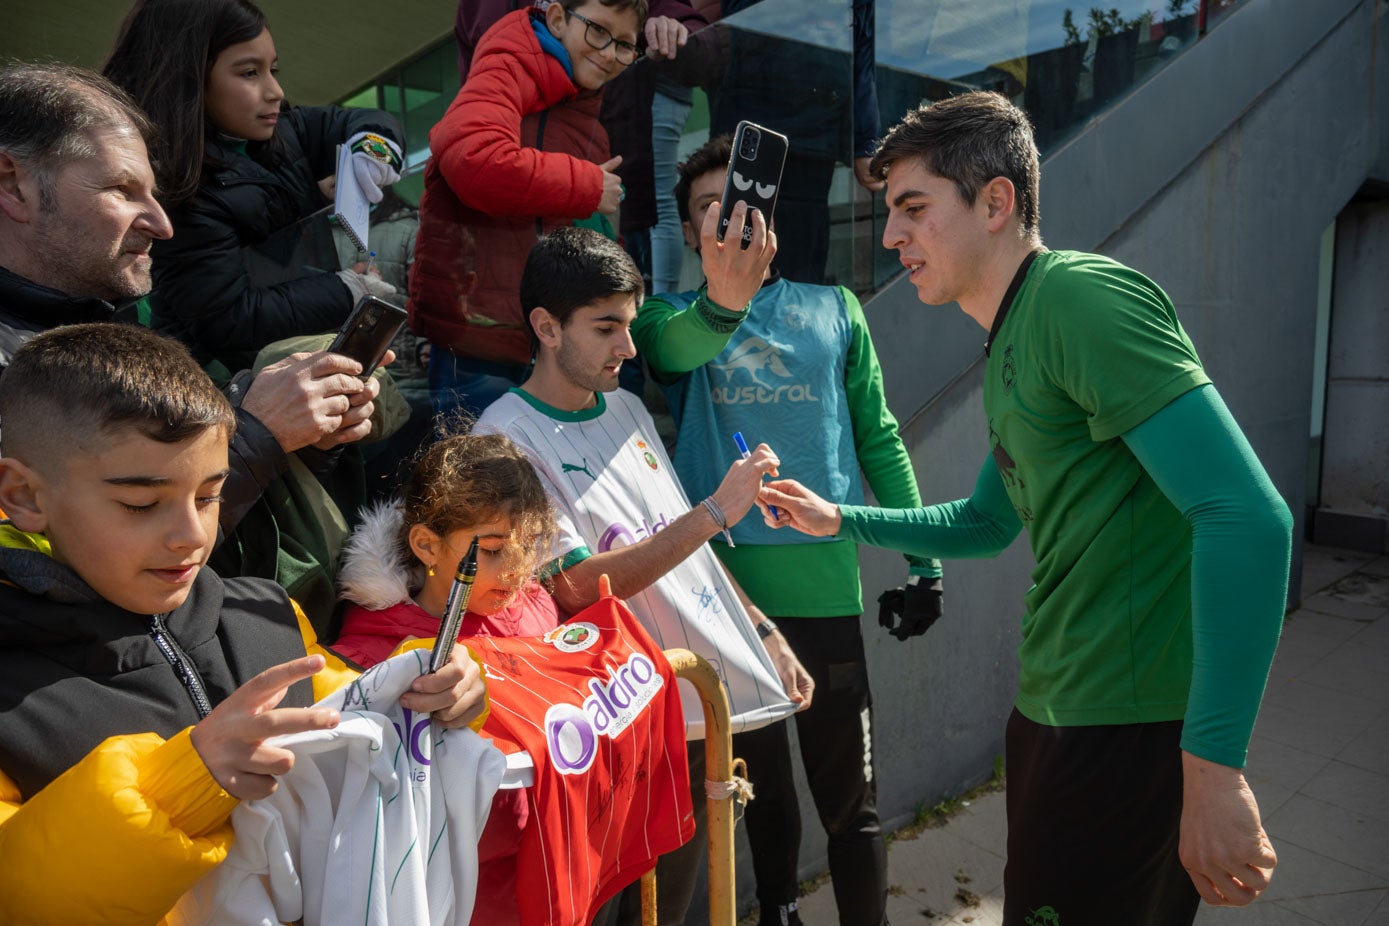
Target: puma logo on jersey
{"x":764,"y":190}
{"x":571,"y":468}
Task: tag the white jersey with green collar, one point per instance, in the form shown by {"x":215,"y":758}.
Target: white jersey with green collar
{"x":613,"y":485}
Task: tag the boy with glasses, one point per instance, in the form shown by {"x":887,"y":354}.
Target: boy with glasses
{"x":519,"y":153}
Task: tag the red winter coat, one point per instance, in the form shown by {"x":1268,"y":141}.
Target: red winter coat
{"x":516,"y":155}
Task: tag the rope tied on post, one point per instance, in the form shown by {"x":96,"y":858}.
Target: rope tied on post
{"x":738,"y":788}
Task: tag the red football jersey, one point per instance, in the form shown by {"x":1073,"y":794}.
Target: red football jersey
{"x":595,"y":703}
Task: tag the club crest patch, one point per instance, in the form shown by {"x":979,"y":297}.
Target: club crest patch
{"x":572,"y":637}
{"x":647,"y":455}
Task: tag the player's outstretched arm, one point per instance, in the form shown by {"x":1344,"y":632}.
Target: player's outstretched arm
{"x":633,"y":567}
{"x":982,"y":525}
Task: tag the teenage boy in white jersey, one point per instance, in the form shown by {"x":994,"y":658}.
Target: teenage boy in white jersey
{"x":620,"y":509}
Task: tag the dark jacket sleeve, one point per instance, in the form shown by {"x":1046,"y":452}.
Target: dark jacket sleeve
{"x":255,"y":460}
{"x":701,"y":62}
{"x":204,"y":294}
{"x":322,"y":128}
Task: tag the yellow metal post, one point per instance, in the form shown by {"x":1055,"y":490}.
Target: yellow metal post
{"x":718,"y":766}
{"x":648,"y":898}
{"x":718,"y":759}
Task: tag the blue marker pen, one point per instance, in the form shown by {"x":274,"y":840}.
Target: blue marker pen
{"x":743,"y":449}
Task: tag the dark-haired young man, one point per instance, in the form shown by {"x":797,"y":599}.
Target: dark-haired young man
{"x":792,"y":364}
{"x":519,"y":151}
{"x":620,"y":509}
{"x":1162,"y":547}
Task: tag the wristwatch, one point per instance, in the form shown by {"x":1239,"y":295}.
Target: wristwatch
{"x":765,"y":629}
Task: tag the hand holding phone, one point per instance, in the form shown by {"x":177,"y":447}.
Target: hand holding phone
{"x":754,"y":176}
{"x":733,"y":274}
{"x":368,"y":332}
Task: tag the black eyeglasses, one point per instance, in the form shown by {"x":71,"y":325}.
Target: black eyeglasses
{"x":599,"y":38}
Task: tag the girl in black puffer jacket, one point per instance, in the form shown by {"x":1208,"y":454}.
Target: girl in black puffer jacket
{"x":235,"y":166}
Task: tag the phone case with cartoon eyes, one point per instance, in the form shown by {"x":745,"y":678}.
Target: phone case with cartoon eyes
{"x":754,"y":175}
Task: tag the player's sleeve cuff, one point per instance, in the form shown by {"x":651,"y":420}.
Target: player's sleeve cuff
{"x":567,"y":561}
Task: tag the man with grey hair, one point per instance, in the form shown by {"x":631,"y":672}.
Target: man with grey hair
{"x":78,"y":213}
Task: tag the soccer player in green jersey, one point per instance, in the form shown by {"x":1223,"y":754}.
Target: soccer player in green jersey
{"x":1162,"y":547}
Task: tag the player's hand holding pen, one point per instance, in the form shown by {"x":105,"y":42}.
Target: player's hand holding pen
{"x":796,"y":506}
{"x":738,"y":490}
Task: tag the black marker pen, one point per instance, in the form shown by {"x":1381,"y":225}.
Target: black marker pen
{"x":457,"y":604}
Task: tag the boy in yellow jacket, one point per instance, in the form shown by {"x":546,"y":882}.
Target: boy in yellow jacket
{"x":137,"y":688}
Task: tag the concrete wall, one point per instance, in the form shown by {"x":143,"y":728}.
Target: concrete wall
{"x":1234,"y":236}
{"x":1355,"y":459}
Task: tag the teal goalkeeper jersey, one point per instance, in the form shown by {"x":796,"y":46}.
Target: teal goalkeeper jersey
{"x":797,"y":371}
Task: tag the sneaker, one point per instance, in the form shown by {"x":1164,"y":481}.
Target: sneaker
{"x":780,"y":915}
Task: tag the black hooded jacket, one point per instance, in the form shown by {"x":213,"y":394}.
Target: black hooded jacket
{"x":76,"y":669}
{"x":205,"y":293}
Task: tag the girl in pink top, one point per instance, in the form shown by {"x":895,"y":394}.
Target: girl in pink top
{"x":396,"y":572}
{"x":400,"y":562}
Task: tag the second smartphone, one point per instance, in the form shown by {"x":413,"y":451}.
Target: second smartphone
{"x":754,"y":175}
{"x":368,"y":332}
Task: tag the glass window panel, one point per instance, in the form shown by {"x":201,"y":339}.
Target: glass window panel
{"x":367,"y":98}
{"x":1062,"y":61}
{"x":789,"y":64}
{"x":428,"y":85}
{"x":802,"y":88}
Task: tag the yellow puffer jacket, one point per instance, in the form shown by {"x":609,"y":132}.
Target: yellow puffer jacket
{"x":121,"y":835}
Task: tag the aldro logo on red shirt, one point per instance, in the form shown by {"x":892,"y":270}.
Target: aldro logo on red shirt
{"x":572,"y":731}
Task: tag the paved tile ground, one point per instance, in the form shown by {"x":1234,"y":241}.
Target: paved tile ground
{"x":1318,"y":763}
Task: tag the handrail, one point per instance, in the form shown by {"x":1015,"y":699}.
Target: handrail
{"x":718,"y":760}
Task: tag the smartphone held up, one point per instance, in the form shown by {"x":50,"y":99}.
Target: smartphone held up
{"x":368,"y":332}
{"x":754,"y":176}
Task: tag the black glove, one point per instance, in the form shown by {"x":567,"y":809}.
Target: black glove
{"x":919,"y":604}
